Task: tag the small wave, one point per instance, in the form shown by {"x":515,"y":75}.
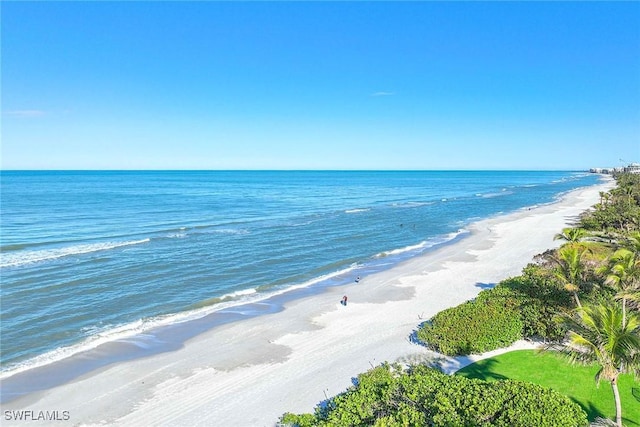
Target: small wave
{"x":422,"y":245}
{"x":492,"y":195}
{"x":568,"y":178}
{"x":305,"y":223}
{"x":412,"y":204}
{"x":240,"y":293}
{"x":96,"y":336}
{"x":573,"y":177}
{"x":177,"y":235}
{"x":352,"y":211}
{"x":231,"y":231}
{"x":401,"y":250}
{"x":21,"y":258}
{"x":203,"y":230}
{"x":233,"y":296}
{"x":578,"y":175}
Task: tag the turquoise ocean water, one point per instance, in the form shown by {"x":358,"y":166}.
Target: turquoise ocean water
{"x":94,"y":257}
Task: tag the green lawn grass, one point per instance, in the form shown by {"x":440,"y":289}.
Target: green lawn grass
{"x":551,"y":370}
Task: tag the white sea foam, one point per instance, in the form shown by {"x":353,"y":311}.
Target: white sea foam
{"x":491,"y":195}
{"x":99,"y":336}
{"x":180,"y":235}
{"x":422,"y":245}
{"x":14,"y":259}
{"x":127,"y":332}
{"x":572,"y":177}
{"x":231,"y":231}
{"x":240,"y":293}
{"x":351,"y":211}
{"x":569,"y":178}
{"x":305,"y":223}
{"x":402,"y":250}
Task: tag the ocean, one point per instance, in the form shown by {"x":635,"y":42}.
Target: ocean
{"x":96,"y":257}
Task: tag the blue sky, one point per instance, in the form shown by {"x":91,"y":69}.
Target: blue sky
{"x":326,"y":85}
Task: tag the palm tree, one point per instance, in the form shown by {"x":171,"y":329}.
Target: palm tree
{"x":598,"y":334}
{"x":605,"y":198}
{"x":601,"y":197}
{"x":624,"y":274}
{"x":572,"y":235}
{"x":629,"y":192}
{"x":570,"y":269}
{"x":632,"y":242}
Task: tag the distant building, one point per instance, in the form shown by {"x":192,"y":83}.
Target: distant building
{"x":631,"y":168}
{"x":607,"y":171}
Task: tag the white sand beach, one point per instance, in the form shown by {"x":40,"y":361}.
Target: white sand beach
{"x":248,"y":373}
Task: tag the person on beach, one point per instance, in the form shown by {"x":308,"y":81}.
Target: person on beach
{"x":357,"y":279}
{"x":344,"y":300}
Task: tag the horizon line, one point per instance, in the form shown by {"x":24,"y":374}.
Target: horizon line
{"x":300,"y":170}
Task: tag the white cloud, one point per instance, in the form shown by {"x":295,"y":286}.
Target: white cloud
{"x":382,"y":93}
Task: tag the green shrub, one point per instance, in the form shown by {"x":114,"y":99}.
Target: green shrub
{"x":475,"y":326}
{"x":522,"y":306}
{"x":539,"y":298}
{"x":388,"y":396}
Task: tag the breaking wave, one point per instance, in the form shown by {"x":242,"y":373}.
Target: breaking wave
{"x":15,"y":259}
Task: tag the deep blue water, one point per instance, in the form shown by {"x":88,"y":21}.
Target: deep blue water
{"x":88,"y":257}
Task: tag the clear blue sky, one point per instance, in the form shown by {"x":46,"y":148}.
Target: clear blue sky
{"x":327,"y":85}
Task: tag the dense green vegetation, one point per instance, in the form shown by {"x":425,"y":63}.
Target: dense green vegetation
{"x":580,"y":269}
{"x":389,"y":396}
{"x":582,"y":298}
{"x":553,"y":371}
{"x":619,"y":209}
{"x":487,"y":323}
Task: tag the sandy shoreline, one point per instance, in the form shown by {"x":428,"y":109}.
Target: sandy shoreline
{"x":248,"y":373}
